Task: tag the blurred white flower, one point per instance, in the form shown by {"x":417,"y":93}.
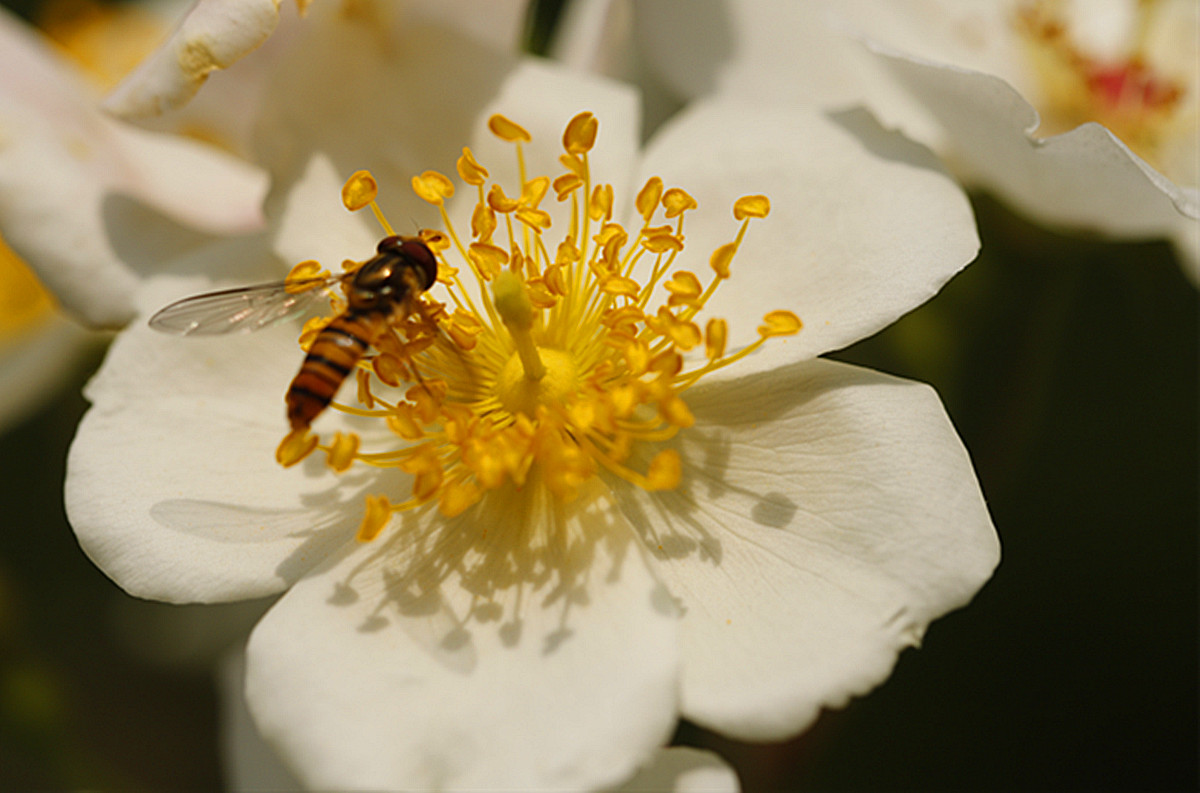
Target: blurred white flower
{"x":1082,"y":115}
{"x":91,"y":203}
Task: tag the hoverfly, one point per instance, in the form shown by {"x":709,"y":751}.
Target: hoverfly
{"x":386,"y":285}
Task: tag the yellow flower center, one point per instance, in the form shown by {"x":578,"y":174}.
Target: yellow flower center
{"x":562,"y":361}
{"x":1123,"y":92}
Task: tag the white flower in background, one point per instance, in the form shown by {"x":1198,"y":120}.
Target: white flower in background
{"x":91,"y":203}
{"x":1082,"y":115}
{"x":546,"y":577}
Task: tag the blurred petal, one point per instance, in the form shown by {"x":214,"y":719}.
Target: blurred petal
{"x":67,"y":174}
{"x":682,"y":769}
{"x":213,"y":35}
{"x":1086,"y":177}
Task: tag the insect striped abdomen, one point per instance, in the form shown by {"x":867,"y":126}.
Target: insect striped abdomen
{"x":330,"y":360}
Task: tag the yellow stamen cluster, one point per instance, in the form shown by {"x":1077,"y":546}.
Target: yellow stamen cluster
{"x":1123,"y":93}
{"x":564,"y":359}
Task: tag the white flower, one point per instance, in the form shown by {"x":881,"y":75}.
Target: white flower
{"x":1082,"y":115}
{"x":804,"y":522}
{"x":91,"y":203}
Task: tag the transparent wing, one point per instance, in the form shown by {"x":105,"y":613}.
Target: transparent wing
{"x":243,"y":309}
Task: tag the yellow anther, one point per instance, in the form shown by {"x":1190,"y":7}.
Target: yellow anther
{"x":685,"y":335}
{"x":433,"y":187}
{"x":488,"y":259}
{"x":613,"y":231}
{"x":779,"y":323}
{"x":565,"y":185}
{"x":716,"y":334}
{"x":648,"y":197}
{"x":684,"y":288}
{"x":669,"y":363}
{"x":470,"y":170}
{"x":623,"y":318}
{"x":425,"y":405}
{"x":751,"y":206}
{"x":580,"y":134}
{"x":566,"y":253}
{"x":662,"y":241}
{"x":508,"y":130}
{"x":457,"y":497}
{"x":426,"y":469}
{"x":573,"y":164}
{"x":676,"y":201}
{"x":297,"y":445}
{"x":390,"y":369}
{"x":675,"y":412}
{"x":721,"y":258}
{"x":624,"y":400}
{"x":305,"y":276}
{"x":464,"y":329}
{"x":436,"y":240}
{"x":535,"y":219}
{"x":342,"y":451}
{"x":363,"y":392}
{"x":665,"y":471}
{"x":555,"y":279}
{"x":403,"y":422}
{"x":637,"y":357}
{"x":359,"y":190}
{"x":533,"y":191}
{"x":601,"y":205}
{"x":620,"y":285}
{"x":483,"y":222}
{"x":498,"y":201}
{"x":376,"y":517}
{"x":540,"y":293}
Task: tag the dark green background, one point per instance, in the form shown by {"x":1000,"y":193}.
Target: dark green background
{"x":1069,"y":366}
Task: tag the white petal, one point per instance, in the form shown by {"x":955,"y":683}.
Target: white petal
{"x":864,"y":224}
{"x":385,"y":111}
{"x":828,"y":513}
{"x":172,"y":486}
{"x":783,"y":51}
{"x":465,"y":658}
{"x":682,"y":769}
{"x":67,"y":174}
{"x":213,"y":35}
{"x":314,"y":224}
{"x":1085,"y":178}
{"x":596,"y":36}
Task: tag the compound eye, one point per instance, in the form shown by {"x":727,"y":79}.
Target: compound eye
{"x":391,"y":244}
{"x":418,"y":253}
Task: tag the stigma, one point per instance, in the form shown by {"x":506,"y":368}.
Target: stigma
{"x":542,"y":357}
